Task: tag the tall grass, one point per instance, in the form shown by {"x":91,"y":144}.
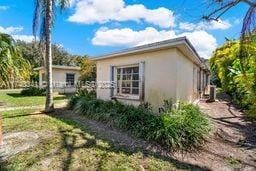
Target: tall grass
{"x":182,"y":128}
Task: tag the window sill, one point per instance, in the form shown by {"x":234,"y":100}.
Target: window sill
{"x":126,"y":98}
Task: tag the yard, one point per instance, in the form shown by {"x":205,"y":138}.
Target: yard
{"x":13,"y":98}
{"x":68,"y":144}
{"x":64,"y":140}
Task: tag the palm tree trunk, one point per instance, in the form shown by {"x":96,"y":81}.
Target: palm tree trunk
{"x":1,"y":131}
{"x":49,"y":106}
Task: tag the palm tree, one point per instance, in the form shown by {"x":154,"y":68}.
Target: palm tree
{"x":43,"y":16}
{"x":12,"y":65}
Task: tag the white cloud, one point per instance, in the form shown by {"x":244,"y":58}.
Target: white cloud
{"x":11,"y":30}
{"x":211,"y":25}
{"x":3,"y":8}
{"x":15,"y":32}
{"x":203,"y":42}
{"x":128,"y":37}
{"x":102,"y":11}
{"x":25,"y":38}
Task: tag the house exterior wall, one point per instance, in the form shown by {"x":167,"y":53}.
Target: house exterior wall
{"x":168,"y":75}
{"x":59,"y":77}
{"x":186,"y":70}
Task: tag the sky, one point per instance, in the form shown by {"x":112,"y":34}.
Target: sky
{"x":97,"y":27}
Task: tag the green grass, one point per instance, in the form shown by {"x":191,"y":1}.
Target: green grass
{"x":67,"y":145}
{"x":232,"y":161}
{"x":13,"y":98}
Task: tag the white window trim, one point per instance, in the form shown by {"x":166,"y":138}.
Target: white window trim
{"x":126,"y":96}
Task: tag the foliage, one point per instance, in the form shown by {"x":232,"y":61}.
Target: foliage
{"x":79,"y":94}
{"x":33,"y":91}
{"x":184,"y":127}
{"x":177,"y":129}
{"x":237,"y":73}
{"x":32,"y":53}
{"x":88,"y":69}
{"x":13,"y":67}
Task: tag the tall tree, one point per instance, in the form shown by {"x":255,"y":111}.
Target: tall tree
{"x":13,"y":66}
{"x":44,"y":17}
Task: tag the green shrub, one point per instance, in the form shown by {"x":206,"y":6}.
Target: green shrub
{"x":183,"y":128}
{"x":82,"y":93}
{"x":33,"y":91}
{"x":176,"y":129}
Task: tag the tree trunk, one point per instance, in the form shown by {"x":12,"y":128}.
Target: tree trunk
{"x":49,"y":106}
{"x":1,"y":131}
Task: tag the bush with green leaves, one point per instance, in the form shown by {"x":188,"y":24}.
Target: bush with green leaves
{"x":177,"y":129}
{"x":235,"y":72}
{"x":33,"y":91}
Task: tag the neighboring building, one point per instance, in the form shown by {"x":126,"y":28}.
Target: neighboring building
{"x":64,"y":78}
{"x":152,"y":73}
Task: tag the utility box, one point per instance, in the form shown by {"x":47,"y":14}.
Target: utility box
{"x":212,"y":93}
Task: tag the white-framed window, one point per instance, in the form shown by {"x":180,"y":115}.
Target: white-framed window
{"x":128,"y":81}
{"x":70,"y":79}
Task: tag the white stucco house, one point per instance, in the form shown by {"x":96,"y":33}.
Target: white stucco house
{"x":64,"y":78}
{"x":155,"y":72}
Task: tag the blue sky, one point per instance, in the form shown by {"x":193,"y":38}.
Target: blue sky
{"x":96,"y":27}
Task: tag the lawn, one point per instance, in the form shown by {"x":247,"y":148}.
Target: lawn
{"x":13,"y":98}
{"x":66,"y":145}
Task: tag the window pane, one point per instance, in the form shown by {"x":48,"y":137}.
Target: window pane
{"x":135,"y":76}
{"x":126,"y":84}
{"x":126,"y":90}
{"x":128,"y":77}
{"x":128,"y":80}
{"x":135,"y":84}
{"x":118,"y":71}
{"x":118,"y":77}
{"x":135,"y":69}
{"x":129,"y":70}
{"x":70,"y":79}
{"x":135,"y":91}
{"x":124,"y":71}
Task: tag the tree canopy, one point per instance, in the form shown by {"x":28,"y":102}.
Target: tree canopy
{"x":237,"y":74}
{"x":13,"y":67}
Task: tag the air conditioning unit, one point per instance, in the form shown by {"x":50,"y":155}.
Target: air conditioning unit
{"x":212,"y":96}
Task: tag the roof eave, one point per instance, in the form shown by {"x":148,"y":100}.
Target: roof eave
{"x":141,"y":49}
{"x":59,"y":67}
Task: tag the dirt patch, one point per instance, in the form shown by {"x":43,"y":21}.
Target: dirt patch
{"x":16,"y":142}
{"x":233,"y":142}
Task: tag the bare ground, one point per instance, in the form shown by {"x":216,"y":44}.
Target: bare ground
{"x":231,"y":145}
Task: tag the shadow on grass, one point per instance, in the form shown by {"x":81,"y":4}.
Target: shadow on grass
{"x":73,"y":140}
{"x":22,"y":115}
{"x":18,"y":95}
{"x":70,"y":138}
